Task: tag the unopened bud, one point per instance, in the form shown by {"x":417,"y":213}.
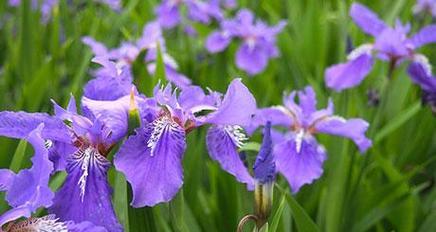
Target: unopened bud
{"x":134,"y":117}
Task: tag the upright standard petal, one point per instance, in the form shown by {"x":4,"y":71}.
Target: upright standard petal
{"x":367,"y":20}
{"x":353,"y":129}
{"x":223,"y":143}
{"x":108,"y":88}
{"x":303,"y":167}
{"x":350,"y":74}
{"x":85,"y":194}
{"x":97,"y":48}
{"x":151,"y":160}
{"x":237,"y":108}
{"x":307,"y":100}
{"x":112,"y":114}
{"x":424,"y":36}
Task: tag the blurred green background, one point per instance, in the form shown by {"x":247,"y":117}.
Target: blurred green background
{"x":390,"y":188}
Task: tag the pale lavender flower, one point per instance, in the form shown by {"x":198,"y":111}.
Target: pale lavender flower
{"x":258,"y":41}
{"x":298,"y":155}
{"x":117,"y":61}
{"x":391,"y":44}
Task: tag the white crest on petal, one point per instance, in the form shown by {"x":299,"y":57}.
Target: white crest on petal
{"x":86,"y":156}
{"x":362,"y":49}
{"x":423,"y":60}
{"x":299,"y":140}
{"x":47,"y":223}
{"x":237,"y":134}
{"x":160,"y":126}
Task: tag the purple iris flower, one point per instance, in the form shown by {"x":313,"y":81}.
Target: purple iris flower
{"x":79,"y":144}
{"x":169,"y":11}
{"x":425,"y":6}
{"x":110,"y":82}
{"x":297,"y":154}
{"x":391,"y":44}
{"x":117,"y":62}
{"x":28,"y":191}
{"x":258,"y":38}
{"x":422,"y":76}
{"x":151,"y":159}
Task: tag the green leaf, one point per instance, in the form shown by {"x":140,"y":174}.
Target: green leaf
{"x":250,"y":146}
{"x":17,"y":160}
{"x":160,"y":65}
{"x":302,"y":220}
{"x":397,"y":122}
{"x":278,"y":215}
{"x":140,"y":219}
{"x":120,"y":199}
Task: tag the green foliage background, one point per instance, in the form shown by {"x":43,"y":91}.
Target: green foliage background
{"x":391,"y":187}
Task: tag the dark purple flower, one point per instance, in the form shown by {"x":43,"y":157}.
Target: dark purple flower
{"x":391,"y":44}
{"x":258,"y":41}
{"x":264,"y":168}
{"x":151,"y":158}
{"x":298,"y":155}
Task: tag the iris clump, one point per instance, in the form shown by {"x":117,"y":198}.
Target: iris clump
{"x":158,"y":136}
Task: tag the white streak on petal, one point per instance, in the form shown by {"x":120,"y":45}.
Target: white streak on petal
{"x":160,"y":126}
{"x":299,"y":140}
{"x":237,"y":135}
{"x":423,"y":60}
{"x":362,"y":49}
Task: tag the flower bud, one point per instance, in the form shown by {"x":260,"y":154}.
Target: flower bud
{"x":134,"y":117}
{"x":264,"y":173}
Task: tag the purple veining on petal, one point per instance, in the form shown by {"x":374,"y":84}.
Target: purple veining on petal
{"x":151,"y":161}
